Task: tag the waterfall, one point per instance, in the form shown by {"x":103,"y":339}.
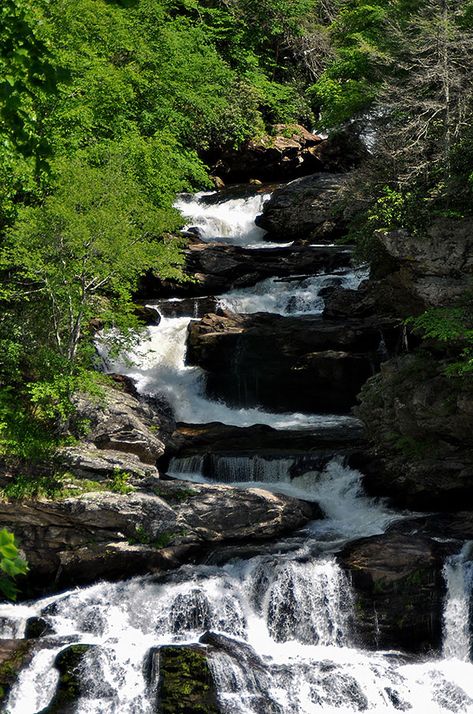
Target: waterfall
{"x":337,"y":488}
{"x":231,"y":221}
{"x":297,"y":297}
{"x":158,"y":367}
{"x":458,"y":574}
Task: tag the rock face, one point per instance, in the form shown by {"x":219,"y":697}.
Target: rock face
{"x":260,"y":438}
{"x":419,"y":423}
{"x":399,"y":591}
{"x":285,"y":363}
{"x":217,"y":268}
{"x":437,"y":267}
{"x":308,"y":208}
{"x":292,"y":151}
{"x":185,"y":684}
{"x":114,"y":536}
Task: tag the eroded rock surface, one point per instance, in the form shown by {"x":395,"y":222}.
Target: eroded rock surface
{"x":419,"y":422}
{"x":308,"y":208}
{"x":109,"y":535}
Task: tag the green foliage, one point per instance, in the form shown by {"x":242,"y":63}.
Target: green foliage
{"x":120,"y":483}
{"x":452,"y":326}
{"x":142,"y":537}
{"x":11,"y":565}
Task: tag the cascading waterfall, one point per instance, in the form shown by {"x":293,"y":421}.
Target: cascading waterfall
{"x":230,"y":221}
{"x":458,"y":573}
{"x":158,"y":367}
{"x":282,"y":624}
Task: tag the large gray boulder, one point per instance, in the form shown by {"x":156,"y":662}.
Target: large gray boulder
{"x":308,"y":208}
{"x":119,"y":419}
{"x":110,"y":535}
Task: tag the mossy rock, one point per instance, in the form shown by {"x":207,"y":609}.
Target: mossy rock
{"x":185,"y":684}
{"x":69,"y":688}
{"x":14,"y":655}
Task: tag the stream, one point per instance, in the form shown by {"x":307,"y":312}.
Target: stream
{"x":283,"y":623}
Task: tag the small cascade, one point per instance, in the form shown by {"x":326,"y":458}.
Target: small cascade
{"x":294,"y":297}
{"x":158,"y":367}
{"x":231,"y":221}
{"x":232,"y":469}
{"x":337,"y":488}
{"x":458,"y":574}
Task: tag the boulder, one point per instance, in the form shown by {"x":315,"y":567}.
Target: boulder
{"x":285,"y":363}
{"x":119,"y":419}
{"x":70,"y":686}
{"x":85,"y":461}
{"x":185,"y":684}
{"x":308,"y":208}
{"x":108,"y":535}
{"x":290,"y":151}
{"x":399,"y":591}
{"x":418,"y":422}
{"x":217,"y":268}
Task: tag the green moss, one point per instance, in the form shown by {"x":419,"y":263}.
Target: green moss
{"x":185,"y":682}
{"x":69,"y":688}
{"x":180,"y":496}
{"x":11,"y":666}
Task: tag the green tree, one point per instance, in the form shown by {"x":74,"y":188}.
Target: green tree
{"x":11,"y":565}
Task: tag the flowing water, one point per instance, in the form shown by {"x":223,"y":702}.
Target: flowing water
{"x":283,"y":623}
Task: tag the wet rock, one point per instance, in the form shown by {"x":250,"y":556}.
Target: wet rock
{"x":308,"y":208}
{"x":443,"y":526}
{"x":37,"y":627}
{"x":185,"y":684}
{"x":399,"y":591}
{"x":418,"y":422}
{"x":217,"y":268}
{"x":186,"y":307}
{"x":261,"y":439}
{"x":114,"y":536}
{"x":286,"y":364}
{"x":70,"y":687}
{"x":290,"y":151}
{"x":14,"y":655}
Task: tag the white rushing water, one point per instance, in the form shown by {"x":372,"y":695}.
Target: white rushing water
{"x":288,"y":646}
{"x":294,"y":297}
{"x":231,"y":221}
{"x":458,"y":573}
{"x":158,"y":367}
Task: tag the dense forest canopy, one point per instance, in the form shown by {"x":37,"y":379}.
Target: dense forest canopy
{"x":110,"y":108}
